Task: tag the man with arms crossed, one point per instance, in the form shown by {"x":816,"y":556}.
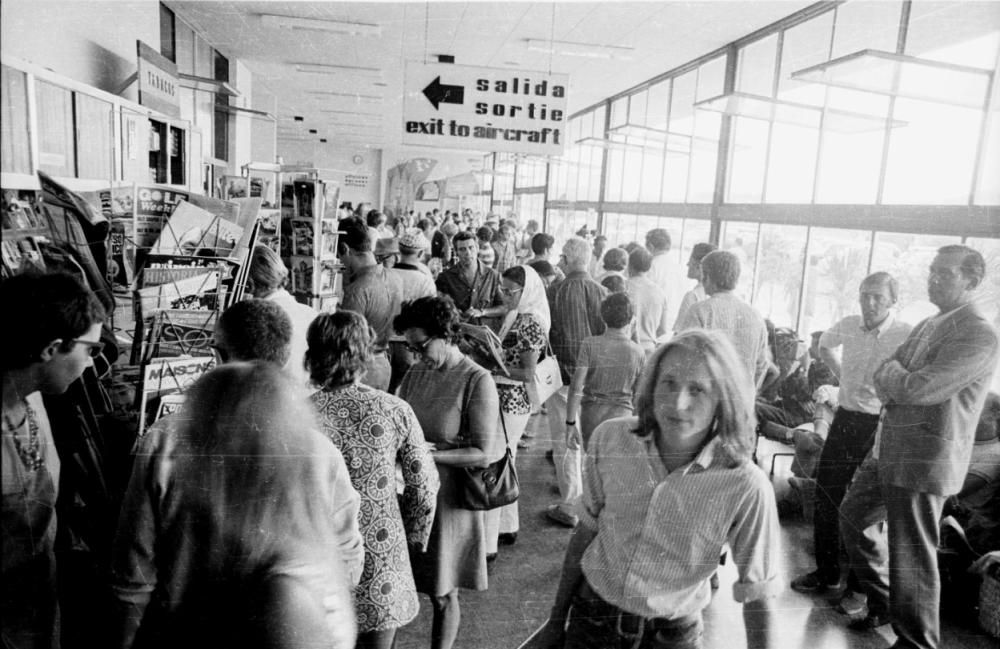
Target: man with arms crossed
{"x":932,"y":390}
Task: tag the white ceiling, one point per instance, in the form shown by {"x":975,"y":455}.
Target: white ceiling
{"x":490,"y":34}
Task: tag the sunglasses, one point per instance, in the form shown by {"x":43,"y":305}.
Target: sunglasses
{"x":94,"y":349}
{"x":421,"y":347}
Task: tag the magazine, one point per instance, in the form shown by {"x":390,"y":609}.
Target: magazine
{"x":483,"y":346}
{"x":194,"y":231}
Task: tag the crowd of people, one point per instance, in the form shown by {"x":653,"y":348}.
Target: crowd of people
{"x":311,"y":485}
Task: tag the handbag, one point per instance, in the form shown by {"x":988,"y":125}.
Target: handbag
{"x":485,"y":488}
{"x":548,"y":380}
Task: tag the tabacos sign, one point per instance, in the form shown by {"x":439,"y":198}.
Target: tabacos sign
{"x":486,"y":109}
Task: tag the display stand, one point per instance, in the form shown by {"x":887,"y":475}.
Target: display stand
{"x":309,"y":238}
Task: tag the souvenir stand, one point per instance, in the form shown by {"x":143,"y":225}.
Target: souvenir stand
{"x":309,"y":239}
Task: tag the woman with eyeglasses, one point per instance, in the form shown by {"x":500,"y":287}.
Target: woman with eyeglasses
{"x":375,"y":432}
{"x":663,"y":492}
{"x":524,"y":333}
{"x":455,"y":401}
{"x":51,"y":331}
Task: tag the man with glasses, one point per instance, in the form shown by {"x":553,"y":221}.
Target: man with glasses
{"x":932,"y":391}
{"x":474,"y":287}
{"x":51,"y":333}
{"x":852,"y":349}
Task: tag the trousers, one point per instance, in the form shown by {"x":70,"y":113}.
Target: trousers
{"x":849,"y":441}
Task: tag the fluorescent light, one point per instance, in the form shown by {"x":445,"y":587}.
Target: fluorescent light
{"x":590,"y":50}
{"x":316,"y":24}
{"x":320,"y":68}
{"x":348,"y":112}
{"x":373,"y":99}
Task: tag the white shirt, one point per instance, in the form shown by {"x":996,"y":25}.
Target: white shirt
{"x":864,"y":350}
{"x":301,"y":316}
{"x":666,"y":274}
{"x":694,"y":296}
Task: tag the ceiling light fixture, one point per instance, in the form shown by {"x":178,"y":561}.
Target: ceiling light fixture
{"x":377,"y":99}
{"x":347,"y":70}
{"x":589,"y":50}
{"x":316,"y":24}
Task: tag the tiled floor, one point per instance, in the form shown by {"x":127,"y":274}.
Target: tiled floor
{"x":526,"y":575}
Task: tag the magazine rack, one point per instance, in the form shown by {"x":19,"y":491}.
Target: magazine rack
{"x":309,"y":239}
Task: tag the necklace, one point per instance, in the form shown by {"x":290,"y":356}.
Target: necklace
{"x":31,"y":455}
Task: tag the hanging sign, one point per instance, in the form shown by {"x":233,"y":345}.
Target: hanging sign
{"x":157,"y":77}
{"x":487,"y":109}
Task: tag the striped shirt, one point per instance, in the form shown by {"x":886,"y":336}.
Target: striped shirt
{"x":863,"y":352}
{"x":660,"y":533}
{"x":575,"y":305}
{"x":745,"y":327}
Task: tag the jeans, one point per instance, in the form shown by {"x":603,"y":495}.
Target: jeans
{"x":595,"y":624}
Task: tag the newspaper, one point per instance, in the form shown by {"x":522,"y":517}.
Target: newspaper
{"x":483,"y":346}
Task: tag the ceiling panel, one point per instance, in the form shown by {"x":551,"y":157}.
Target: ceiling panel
{"x":490,"y":34}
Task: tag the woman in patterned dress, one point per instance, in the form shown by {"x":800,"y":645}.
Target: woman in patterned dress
{"x":456,"y":402}
{"x":524,"y":332}
{"x":374,"y":431}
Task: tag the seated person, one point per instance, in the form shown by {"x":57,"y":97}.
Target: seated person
{"x":970,"y":525}
{"x":789,"y":401}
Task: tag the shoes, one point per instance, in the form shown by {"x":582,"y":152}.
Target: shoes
{"x":491,"y":557}
{"x":523,"y":443}
{"x":559,"y":515}
{"x":869,"y":622}
{"x":811,"y":583}
{"x":507,"y":538}
{"x":549,"y":457}
{"x":852,"y":604}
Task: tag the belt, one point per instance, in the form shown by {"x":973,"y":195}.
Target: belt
{"x":631,"y":626}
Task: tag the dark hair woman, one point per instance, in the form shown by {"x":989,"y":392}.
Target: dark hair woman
{"x":456,"y":403}
{"x":375,"y":431}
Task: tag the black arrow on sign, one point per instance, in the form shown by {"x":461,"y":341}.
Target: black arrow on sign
{"x":438,"y":93}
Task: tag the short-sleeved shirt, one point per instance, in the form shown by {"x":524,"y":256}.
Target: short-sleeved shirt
{"x":864,"y":350}
{"x":414,"y":283}
{"x":575,"y":305}
{"x":482,"y":293}
{"x":613,"y":364}
{"x":741,"y":322}
{"x":375,"y":293}
{"x":526,"y":334}
{"x":660,"y":533}
{"x":652,"y":311}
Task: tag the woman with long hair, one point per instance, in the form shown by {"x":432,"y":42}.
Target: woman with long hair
{"x":375,"y":431}
{"x":664,"y":491}
{"x":455,"y":401}
{"x":232,"y":524}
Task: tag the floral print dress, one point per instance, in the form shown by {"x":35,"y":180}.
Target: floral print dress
{"x":376,"y":431}
{"x":526,"y":334}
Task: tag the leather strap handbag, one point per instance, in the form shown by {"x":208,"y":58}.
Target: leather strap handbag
{"x":485,"y":488}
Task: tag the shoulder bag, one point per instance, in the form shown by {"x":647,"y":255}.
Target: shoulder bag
{"x":548,"y":380}
{"x":494,"y":486}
